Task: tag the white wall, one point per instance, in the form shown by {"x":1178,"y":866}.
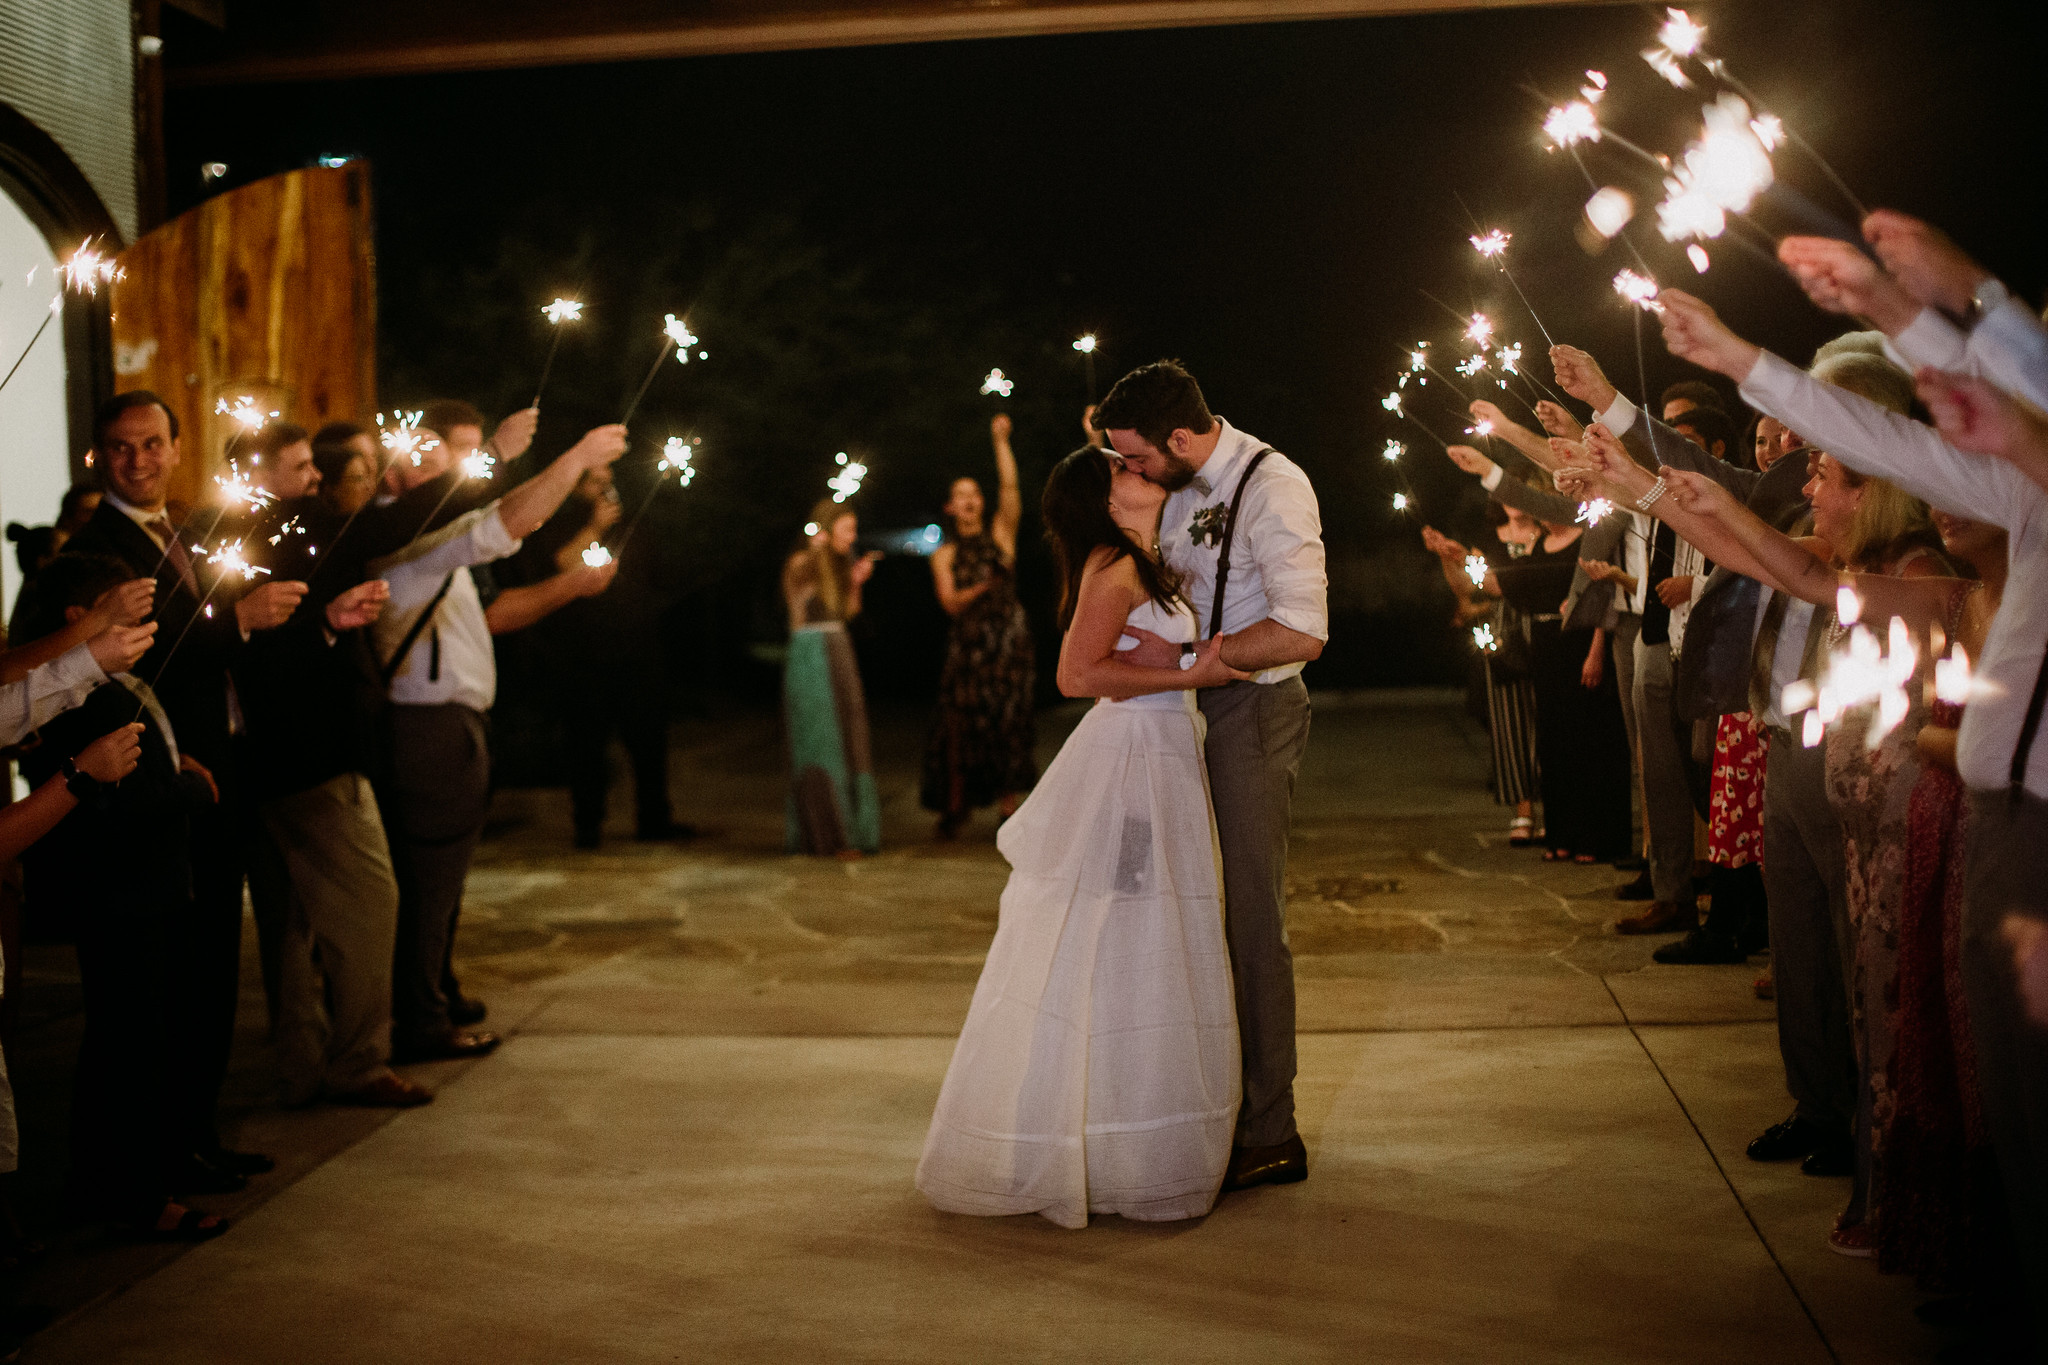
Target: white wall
{"x":35,"y":440}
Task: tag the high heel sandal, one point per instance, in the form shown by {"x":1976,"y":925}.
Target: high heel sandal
{"x":1521,"y":831}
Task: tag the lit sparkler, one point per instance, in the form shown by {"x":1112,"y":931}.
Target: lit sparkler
{"x":478,"y":464}
{"x":847,"y":481}
{"x":1483,"y":428}
{"x":1393,"y":451}
{"x":1392,"y":403}
{"x":678,"y":331}
{"x":1400,"y":502}
{"x":238,"y":490}
{"x":1086,"y":344}
{"x":1570,"y":124}
{"x":1667,"y":66}
{"x":1609,"y":210}
{"x":1680,"y":36}
{"x":1509,"y":357}
{"x":563,"y":310}
{"x":85,"y":270}
{"x":998,"y":383}
{"x":1640,"y":290}
{"x":1697,"y":254}
{"x":1722,"y":173}
{"x":560,"y":311}
{"x":1482,"y":638}
{"x":676,"y":454}
{"x":595,"y":556}
{"x":1475,"y":569}
{"x":244,"y":413}
{"x":1490,"y":244}
{"x":1952,"y":681}
{"x":1480,"y":330}
{"x":1863,"y":673}
{"x":1594,"y":512}
{"x":404,"y":438}
{"x":230,"y":559}
{"x":1471,"y":367}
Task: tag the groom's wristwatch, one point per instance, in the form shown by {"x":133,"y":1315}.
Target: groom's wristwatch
{"x":1187,"y":657}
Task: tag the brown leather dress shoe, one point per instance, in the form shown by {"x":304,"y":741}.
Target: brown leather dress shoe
{"x":388,"y":1091}
{"x":450,"y":1046}
{"x":1278,"y":1165}
{"x":1663,"y":917}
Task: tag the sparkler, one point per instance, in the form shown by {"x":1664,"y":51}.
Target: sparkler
{"x":244,"y":413}
{"x":1952,"y":681}
{"x":478,"y":464}
{"x":595,"y":556}
{"x":1087,"y":344}
{"x":676,"y":457}
{"x":1392,"y":403}
{"x":1639,"y":290}
{"x":1475,"y":569}
{"x":1609,"y":210}
{"x":1722,"y":173}
{"x":998,"y":383}
{"x":1697,"y":254}
{"x":1863,"y":673}
{"x":560,"y":311}
{"x":1482,"y":638}
{"x":1393,"y":451}
{"x":1491,"y":244}
{"x":1400,"y":502}
{"x":1480,"y":331}
{"x":847,"y":481}
{"x":676,"y":334}
{"x":83,"y":272}
{"x":238,"y":490}
{"x":1594,"y":512}
{"x":1472,"y":366}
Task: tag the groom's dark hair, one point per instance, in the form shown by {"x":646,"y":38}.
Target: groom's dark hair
{"x":1155,"y":401}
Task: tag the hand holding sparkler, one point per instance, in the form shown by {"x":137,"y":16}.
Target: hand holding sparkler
{"x":1932,"y":268}
{"x":1560,"y":423}
{"x":515,"y":434}
{"x":1697,"y":494}
{"x":267,"y":607}
{"x":1579,"y":375}
{"x":1694,"y":332}
{"x":113,"y":755}
{"x":119,"y":648}
{"x":1469,"y":460}
{"x":1841,"y":279}
{"x":1977,"y":417}
{"x":360,"y":606}
{"x":128,"y":604}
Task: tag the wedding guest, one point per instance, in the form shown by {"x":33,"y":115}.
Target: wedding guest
{"x":122,"y":860}
{"x":834,"y":807}
{"x":205,"y":619}
{"x":983,"y":741}
{"x":433,"y":646}
{"x":345,"y":453}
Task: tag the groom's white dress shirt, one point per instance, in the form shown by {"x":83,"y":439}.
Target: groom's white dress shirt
{"x":1276,"y":557}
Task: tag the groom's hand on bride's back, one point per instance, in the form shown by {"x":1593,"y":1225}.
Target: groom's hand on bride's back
{"x":1153,"y":651}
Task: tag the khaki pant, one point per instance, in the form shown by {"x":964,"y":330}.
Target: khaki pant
{"x":1256,"y":736}
{"x":334,"y":969}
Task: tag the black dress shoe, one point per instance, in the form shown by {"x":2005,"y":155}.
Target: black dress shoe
{"x":453,"y":1045}
{"x":1640,"y":889}
{"x":1833,"y":1157}
{"x":240,"y":1163}
{"x":1791,"y":1140}
{"x":196,"y":1175}
{"x":1282,"y":1164}
{"x":1700,"y":947}
{"x":464,"y":1011}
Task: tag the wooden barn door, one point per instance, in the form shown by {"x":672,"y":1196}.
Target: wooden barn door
{"x":268,"y":292}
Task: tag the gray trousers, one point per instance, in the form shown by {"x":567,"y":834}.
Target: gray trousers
{"x":1256,"y":736}
{"x":1626,"y":628}
{"x":434,"y":799}
{"x":2006,"y":871}
{"x":334,"y":964}
{"x":1803,"y":882}
{"x":1664,"y":747}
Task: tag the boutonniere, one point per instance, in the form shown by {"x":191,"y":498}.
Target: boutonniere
{"x":1207,"y":526}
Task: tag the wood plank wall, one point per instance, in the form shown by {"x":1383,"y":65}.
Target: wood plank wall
{"x":267,"y":292}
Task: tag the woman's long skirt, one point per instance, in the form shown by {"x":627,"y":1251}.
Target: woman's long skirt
{"x":833,"y":804}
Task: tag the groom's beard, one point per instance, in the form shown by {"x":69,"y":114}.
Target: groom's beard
{"x":1179,"y":473}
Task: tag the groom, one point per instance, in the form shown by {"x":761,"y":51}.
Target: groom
{"x":1242,"y":530}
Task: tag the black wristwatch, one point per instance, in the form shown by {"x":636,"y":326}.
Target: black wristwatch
{"x":81,"y":784}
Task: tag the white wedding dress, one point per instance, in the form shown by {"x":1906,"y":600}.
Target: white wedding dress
{"x":1098,"y":1069}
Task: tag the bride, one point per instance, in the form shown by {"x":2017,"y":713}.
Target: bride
{"x":1098,"y":1069}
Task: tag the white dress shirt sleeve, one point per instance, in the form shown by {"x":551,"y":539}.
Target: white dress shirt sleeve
{"x":1491,"y":479}
{"x":47,"y":692}
{"x":1872,"y":439}
{"x":474,"y":538}
{"x":1619,"y":416}
{"x":1929,"y":339}
{"x":1284,"y":532}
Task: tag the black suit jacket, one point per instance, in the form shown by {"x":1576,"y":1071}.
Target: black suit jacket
{"x":1712,"y":674}
{"x":192,"y":683}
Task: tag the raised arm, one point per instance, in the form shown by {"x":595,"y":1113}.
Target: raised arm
{"x":1530,"y":443}
{"x":1002,"y":527}
{"x":526,"y":508}
{"x":1975,"y":416}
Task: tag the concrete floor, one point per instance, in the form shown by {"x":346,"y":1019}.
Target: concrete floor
{"x":1526,"y":1139}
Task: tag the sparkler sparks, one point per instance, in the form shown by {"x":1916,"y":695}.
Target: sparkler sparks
{"x":1483,"y":428}
{"x":1482,"y":638}
{"x":1609,"y":210}
{"x":1570,"y":124}
{"x":1639,"y":290}
{"x":847,"y":481}
{"x":1393,"y":451}
{"x":676,"y":454}
{"x":1509,"y":357}
{"x":1680,"y":36}
{"x":1952,"y":681}
{"x":1861,"y":674}
{"x":1667,"y":66}
{"x":1471,"y":367}
{"x":678,"y":331}
{"x":1400,"y":502}
{"x":1490,"y":244}
{"x":1722,"y":173}
{"x":595,"y":556}
{"x":1086,"y":344}
{"x":230,"y":559}
{"x":1697,"y":254}
{"x":405,"y":437}
{"x":244,"y":413}
{"x":998,"y":383}
{"x":563,"y":310}
{"x":1769,"y":130}
{"x":86,"y":270}
{"x":1475,"y":569}
{"x":236,"y":490}
{"x":478,"y":464}
{"x":1392,"y":403}
{"x":1480,"y":330}
{"x":1594,"y":512}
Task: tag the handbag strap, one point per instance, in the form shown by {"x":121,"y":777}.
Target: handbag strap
{"x":389,"y":669}
{"x":1229,"y":535}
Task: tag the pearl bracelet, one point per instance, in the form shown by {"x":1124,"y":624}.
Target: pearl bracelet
{"x":1657,"y":490}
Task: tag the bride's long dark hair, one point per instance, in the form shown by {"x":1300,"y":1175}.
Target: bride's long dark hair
{"x":1075,"y":506}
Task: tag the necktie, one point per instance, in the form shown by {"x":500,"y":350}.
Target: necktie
{"x":174,"y":550}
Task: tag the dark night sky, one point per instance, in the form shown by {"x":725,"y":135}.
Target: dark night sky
{"x":860,"y":234}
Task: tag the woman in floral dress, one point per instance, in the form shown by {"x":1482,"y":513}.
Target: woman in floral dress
{"x":983,"y":744}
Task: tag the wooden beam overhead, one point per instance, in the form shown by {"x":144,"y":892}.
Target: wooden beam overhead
{"x":441,"y":35}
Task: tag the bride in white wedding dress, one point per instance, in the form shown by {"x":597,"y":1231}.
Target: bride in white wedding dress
{"x":1098,"y":1068}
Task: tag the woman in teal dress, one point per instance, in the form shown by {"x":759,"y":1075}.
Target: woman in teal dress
{"x":833,"y":805}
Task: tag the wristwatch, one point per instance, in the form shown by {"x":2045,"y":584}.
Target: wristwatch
{"x":1986,"y":297}
{"x":81,"y":784}
{"x":1187,"y":657}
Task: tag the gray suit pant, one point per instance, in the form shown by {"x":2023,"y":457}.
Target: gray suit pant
{"x":1803,"y":882}
{"x":434,"y":803}
{"x":1664,"y":746}
{"x":1623,"y":648}
{"x":1256,"y":736}
{"x":2006,"y":872}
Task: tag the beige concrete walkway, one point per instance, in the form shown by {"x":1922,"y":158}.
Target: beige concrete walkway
{"x":1526,"y":1140}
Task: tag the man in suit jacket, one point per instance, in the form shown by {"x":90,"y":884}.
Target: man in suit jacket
{"x":204,"y":616}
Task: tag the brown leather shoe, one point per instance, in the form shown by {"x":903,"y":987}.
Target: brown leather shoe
{"x":1280,"y":1165}
{"x":388,"y":1091}
{"x":1663,"y":917}
{"x":456,"y":1044}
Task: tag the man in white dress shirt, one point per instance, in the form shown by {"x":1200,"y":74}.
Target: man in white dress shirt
{"x":1232,"y":494}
